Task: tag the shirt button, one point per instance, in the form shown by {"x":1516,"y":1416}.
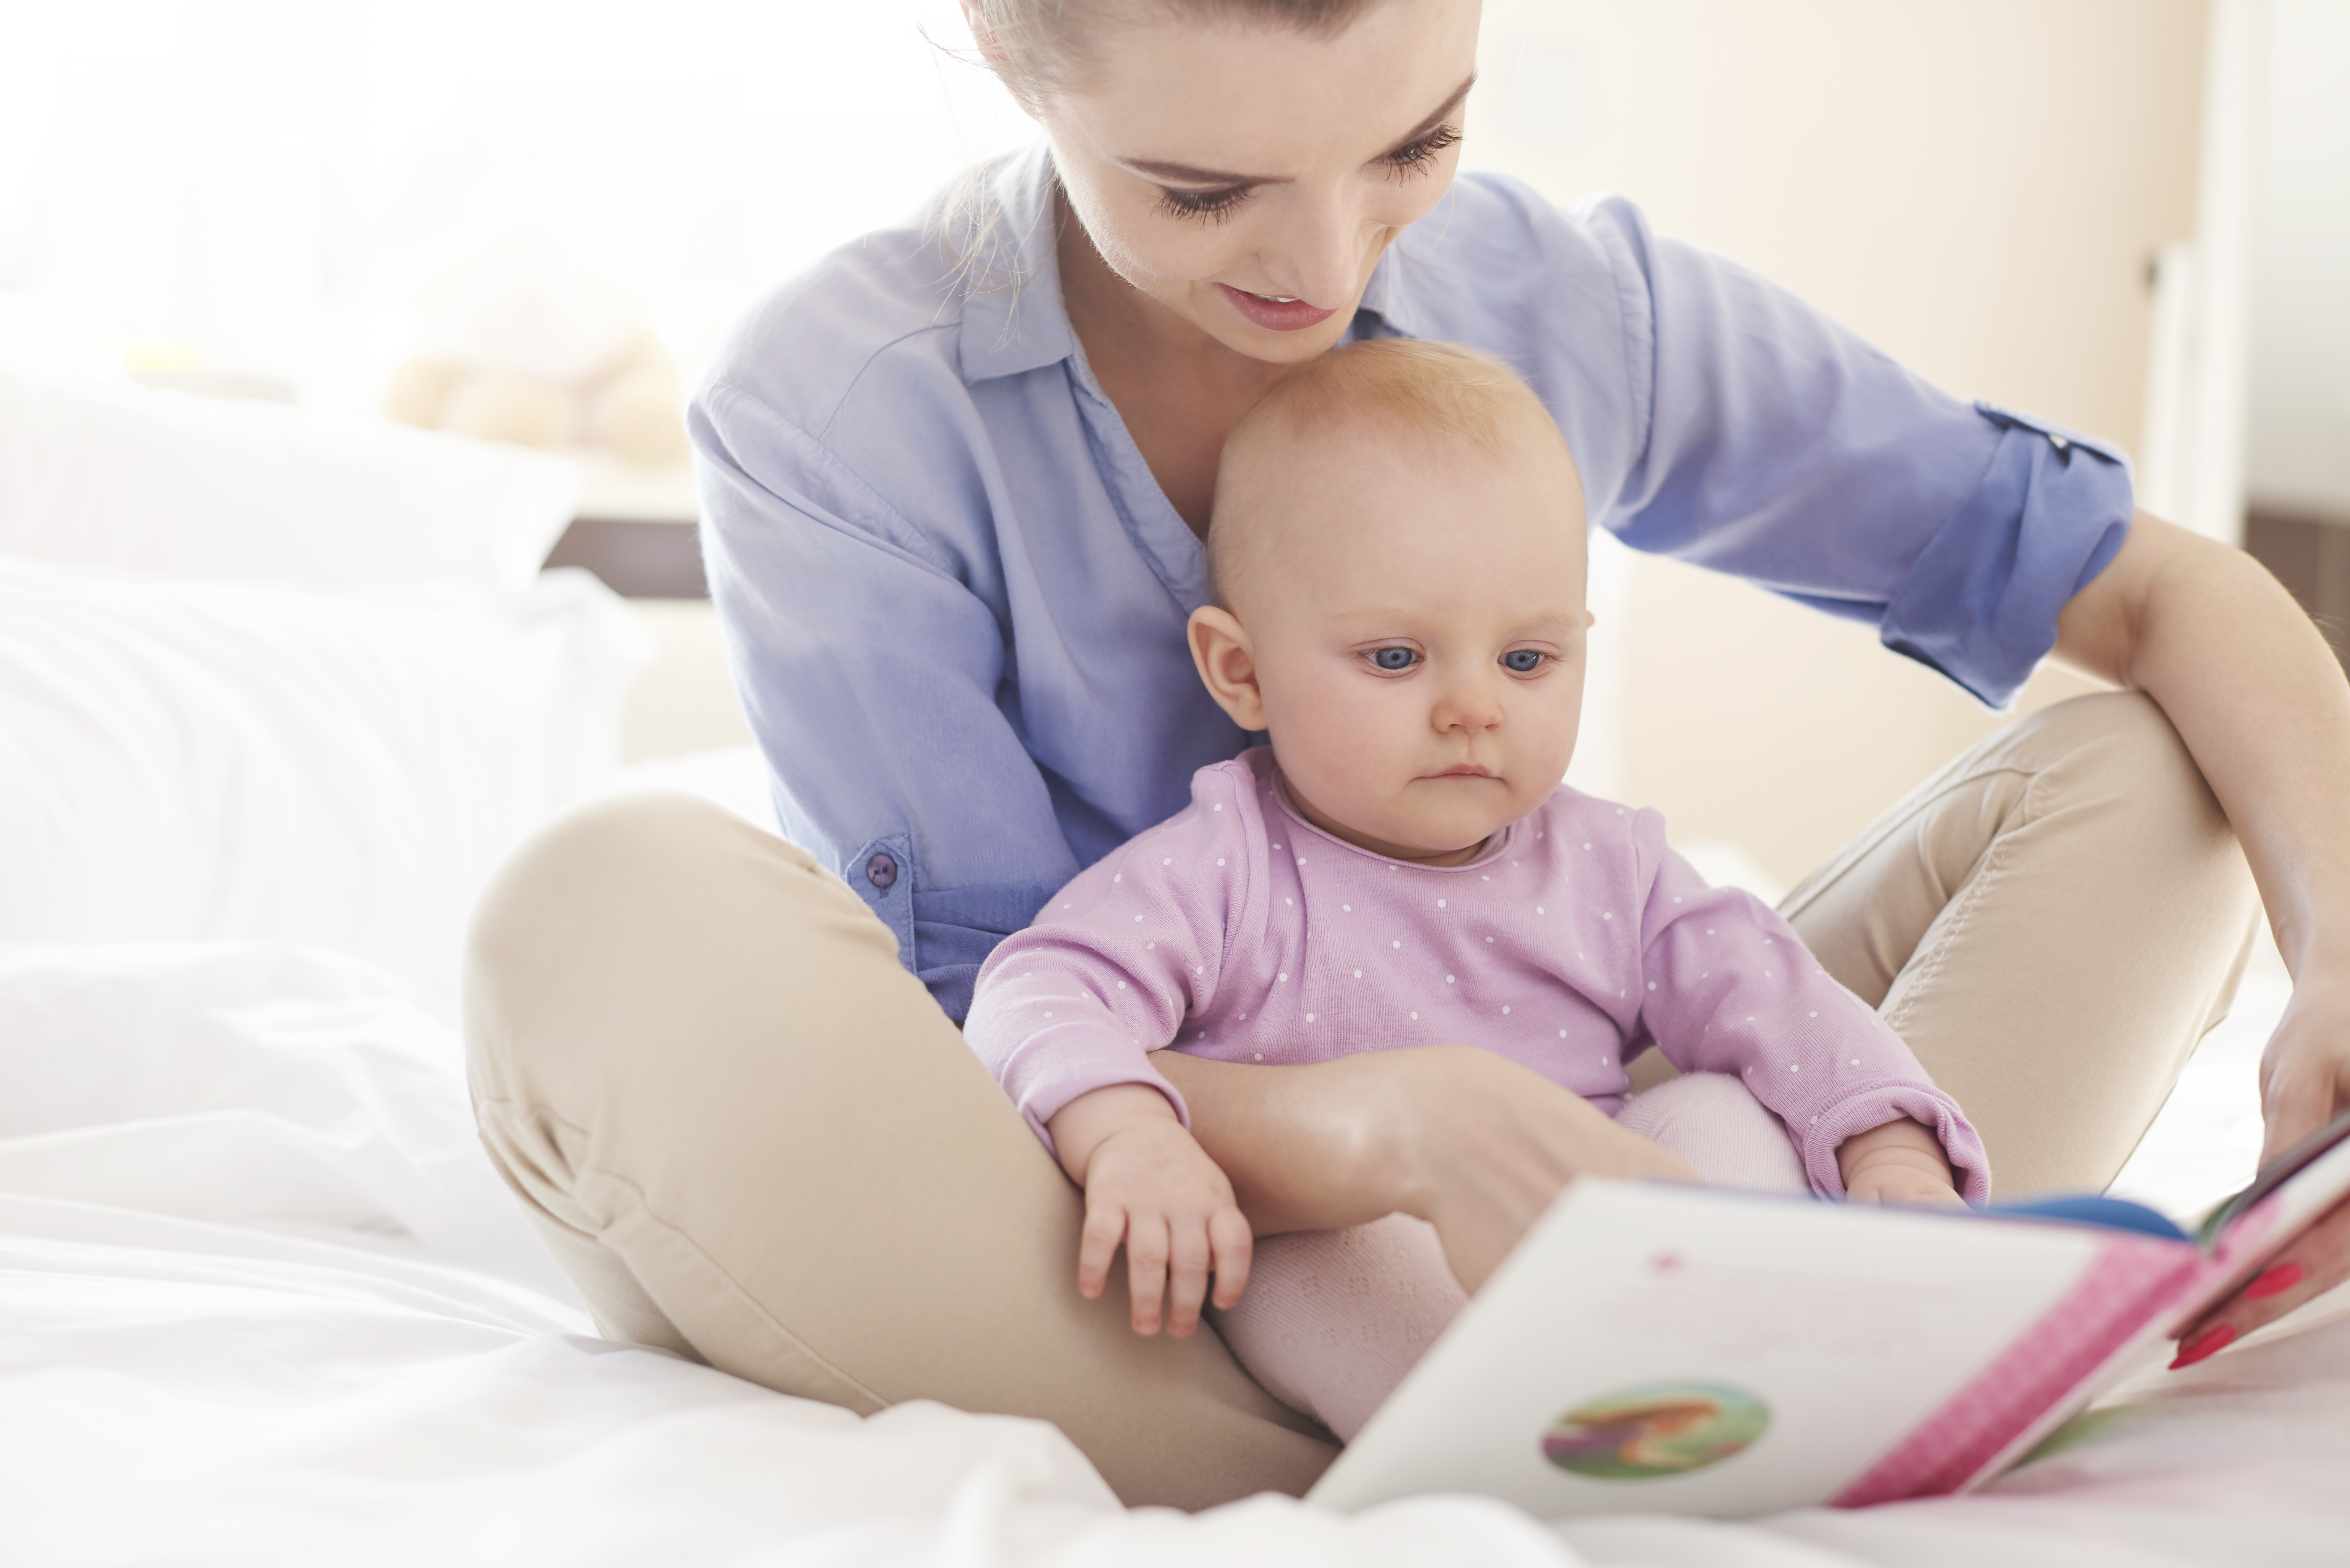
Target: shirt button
{"x":881,"y":871}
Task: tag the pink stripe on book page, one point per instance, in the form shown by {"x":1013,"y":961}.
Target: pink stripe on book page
{"x":2105,"y":1306}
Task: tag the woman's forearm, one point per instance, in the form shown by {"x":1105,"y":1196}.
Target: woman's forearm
{"x":2261,"y":705}
{"x":2257,"y":697}
{"x":1296,"y":1143}
{"x":1466,"y":1139}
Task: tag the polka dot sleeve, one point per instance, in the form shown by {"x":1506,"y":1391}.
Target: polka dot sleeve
{"x":1731,"y":989}
{"x":1119,"y":959}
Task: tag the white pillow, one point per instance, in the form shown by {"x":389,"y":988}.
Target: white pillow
{"x":111,"y":474}
{"x":186,"y":761}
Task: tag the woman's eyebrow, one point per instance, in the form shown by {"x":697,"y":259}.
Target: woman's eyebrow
{"x":1188,"y":174}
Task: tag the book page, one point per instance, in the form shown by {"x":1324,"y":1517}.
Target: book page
{"x":1690,"y":1350}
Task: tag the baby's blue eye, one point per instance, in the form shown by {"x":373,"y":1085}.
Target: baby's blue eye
{"x":1394,"y":659}
{"x":1522,"y":661}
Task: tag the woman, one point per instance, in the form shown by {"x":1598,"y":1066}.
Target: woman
{"x":952,"y":490}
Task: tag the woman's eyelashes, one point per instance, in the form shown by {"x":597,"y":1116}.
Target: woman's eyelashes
{"x":1208,"y":207}
{"x":1413,"y":158}
{"x":1214,"y":207}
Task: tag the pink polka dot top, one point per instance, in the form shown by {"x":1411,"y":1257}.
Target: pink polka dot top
{"x":1574,"y":941}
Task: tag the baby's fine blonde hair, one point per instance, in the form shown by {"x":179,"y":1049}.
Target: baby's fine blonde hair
{"x":1407,"y":391}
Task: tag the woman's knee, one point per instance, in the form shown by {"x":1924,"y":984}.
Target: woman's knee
{"x":621,"y":878}
{"x":617,"y":921}
{"x":2118,"y":745}
{"x":2114,"y":758}
{"x":648,"y":855}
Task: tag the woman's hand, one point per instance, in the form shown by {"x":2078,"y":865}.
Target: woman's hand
{"x":1475,"y":1144}
{"x":1150,"y":1188}
{"x":1484,"y":1146}
{"x":2305,"y":1071}
{"x":2304,"y":1084}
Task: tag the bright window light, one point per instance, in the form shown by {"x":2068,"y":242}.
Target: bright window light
{"x":247,"y":187}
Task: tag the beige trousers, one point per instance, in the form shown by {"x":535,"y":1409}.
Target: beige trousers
{"x":752,"y":1139}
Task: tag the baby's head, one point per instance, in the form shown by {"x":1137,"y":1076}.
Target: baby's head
{"x":1398,"y":552}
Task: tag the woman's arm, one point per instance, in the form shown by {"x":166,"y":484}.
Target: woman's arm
{"x":1473,"y":1144}
{"x":2261,"y":705}
{"x":872,"y":679}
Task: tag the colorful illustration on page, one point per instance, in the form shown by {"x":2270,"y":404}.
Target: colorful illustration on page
{"x":1657,"y":1429}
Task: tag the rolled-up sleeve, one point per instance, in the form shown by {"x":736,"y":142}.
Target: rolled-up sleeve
{"x":1771,"y":444}
{"x":870,"y":675}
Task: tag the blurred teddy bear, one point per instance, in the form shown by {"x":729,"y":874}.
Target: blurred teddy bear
{"x":523,"y":341}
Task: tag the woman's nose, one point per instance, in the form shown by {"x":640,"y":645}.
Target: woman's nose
{"x":1320,"y":253}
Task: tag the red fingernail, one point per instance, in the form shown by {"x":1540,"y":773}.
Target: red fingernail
{"x":2210,"y":1342}
{"x":2273,"y":1282}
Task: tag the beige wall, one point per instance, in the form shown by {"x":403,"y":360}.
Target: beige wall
{"x":1975,"y":186}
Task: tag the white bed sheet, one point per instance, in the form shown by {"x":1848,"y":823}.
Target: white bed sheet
{"x":262,"y":1301}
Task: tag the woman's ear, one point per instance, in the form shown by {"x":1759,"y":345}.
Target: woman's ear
{"x":991,"y":47}
{"x":1220,"y":651}
{"x":998,"y":59}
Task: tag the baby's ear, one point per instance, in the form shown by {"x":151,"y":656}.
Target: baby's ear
{"x":1220,"y":652}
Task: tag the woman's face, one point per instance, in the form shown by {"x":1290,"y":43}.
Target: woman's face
{"x":1249,"y":176}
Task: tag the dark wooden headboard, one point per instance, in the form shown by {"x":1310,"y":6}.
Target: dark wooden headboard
{"x":638,"y":560}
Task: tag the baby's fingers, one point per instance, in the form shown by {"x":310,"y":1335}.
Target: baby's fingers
{"x":1235,"y":1248}
{"x":1097,"y":1246}
{"x":1146,"y":1269}
{"x":1187,"y":1276}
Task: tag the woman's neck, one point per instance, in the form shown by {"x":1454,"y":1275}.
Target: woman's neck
{"x":1179,"y":391}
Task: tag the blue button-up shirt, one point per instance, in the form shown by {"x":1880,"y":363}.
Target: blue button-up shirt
{"x":954,"y":597}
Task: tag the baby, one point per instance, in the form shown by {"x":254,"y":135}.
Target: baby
{"x":1398,"y":550}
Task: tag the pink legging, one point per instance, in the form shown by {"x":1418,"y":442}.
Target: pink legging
{"x":1332,"y":1320}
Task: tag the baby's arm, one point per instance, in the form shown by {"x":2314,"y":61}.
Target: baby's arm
{"x":1899,"y":1161}
{"x":1730,"y":988}
{"x":1068,"y":1014}
{"x":1153,"y":1189}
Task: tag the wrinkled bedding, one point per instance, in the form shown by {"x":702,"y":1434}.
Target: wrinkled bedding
{"x":262,"y":1301}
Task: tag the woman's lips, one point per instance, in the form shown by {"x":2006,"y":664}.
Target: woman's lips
{"x":1275,"y":314}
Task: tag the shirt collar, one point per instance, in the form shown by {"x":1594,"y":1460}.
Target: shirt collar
{"x":1383,"y":301}
{"x":1388,"y":299}
{"x":1013,"y":318}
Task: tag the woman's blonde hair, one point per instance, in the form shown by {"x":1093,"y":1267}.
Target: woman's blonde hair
{"x":1039,"y":48}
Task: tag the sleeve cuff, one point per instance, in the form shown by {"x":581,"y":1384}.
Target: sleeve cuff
{"x":1873,"y":1109}
{"x":1040,"y":1105}
{"x":1981,"y":604}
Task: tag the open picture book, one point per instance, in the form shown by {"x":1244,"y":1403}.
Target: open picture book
{"x":1655,"y":1347}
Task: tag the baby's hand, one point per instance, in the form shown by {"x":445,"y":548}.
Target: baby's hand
{"x":1150,"y":1186}
{"x":1900,"y":1162}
